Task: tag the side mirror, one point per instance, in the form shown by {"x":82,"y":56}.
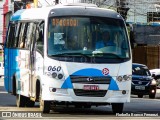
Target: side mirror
{"x":2,"y":44}
{"x":153,"y":75}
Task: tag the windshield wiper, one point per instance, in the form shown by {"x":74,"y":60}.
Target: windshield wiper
{"x":109,"y":55}
{"x":70,"y":54}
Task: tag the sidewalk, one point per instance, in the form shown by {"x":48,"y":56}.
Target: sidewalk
{"x":1,"y":81}
{"x":158,"y":91}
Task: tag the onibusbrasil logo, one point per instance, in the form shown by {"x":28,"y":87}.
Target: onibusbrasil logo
{"x":18,"y":114}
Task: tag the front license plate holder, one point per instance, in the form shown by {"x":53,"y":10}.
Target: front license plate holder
{"x":91,"y":87}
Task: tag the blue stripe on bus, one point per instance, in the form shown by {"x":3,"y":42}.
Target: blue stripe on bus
{"x":89,"y":72}
{"x":17,"y":15}
{"x":67,"y":84}
{"x":113,"y":85}
{"x":11,"y":67}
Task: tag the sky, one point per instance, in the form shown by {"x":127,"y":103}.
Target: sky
{"x":46,"y":2}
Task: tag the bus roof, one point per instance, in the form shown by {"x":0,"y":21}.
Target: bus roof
{"x":64,"y":10}
{"x":33,"y":13}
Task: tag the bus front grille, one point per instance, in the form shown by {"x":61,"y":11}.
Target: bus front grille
{"x":90,"y":80}
{"x":90,"y":93}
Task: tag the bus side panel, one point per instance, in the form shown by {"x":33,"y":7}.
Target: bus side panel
{"x":6,"y":69}
{"x":11,"y":67}
{"x":14,"y":63}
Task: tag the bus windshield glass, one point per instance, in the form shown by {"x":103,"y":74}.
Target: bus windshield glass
{"x":100,"y":37}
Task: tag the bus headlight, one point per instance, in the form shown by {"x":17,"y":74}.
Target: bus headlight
{"x":153,"y":82}
{"x":124,"y":78}
{"x":58,"y":76}
{"x":119,"y":78}
{"x":54,"y":75}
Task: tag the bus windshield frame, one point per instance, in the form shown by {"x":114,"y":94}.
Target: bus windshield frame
{"x":78,"y":36}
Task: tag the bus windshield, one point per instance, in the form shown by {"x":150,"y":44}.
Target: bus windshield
{"x":88,"y":36}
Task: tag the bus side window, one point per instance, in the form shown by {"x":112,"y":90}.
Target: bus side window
{"x":11,"y":35}
{"x":20,"y":39}
{"x":32,"y":37}
{"x":18,"y":29}
{"x":40,"y":40}
{"x":23,"y":35}
{"x":28,"y":35}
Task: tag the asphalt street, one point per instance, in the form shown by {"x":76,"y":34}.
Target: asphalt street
{"x":138,"y":108}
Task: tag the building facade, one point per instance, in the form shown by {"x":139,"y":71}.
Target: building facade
{"x":1,"y":20}
{"x":143,"y":11}
{"x":7,"y":12}
{"x":140,"y":11}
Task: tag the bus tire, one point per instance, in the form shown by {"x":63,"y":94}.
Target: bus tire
{"x":87,"y":106}
{"x":78,"y":106}
{"x":20,"y":100}
{"x":140,"y":96}
{"x":45,"y":106}
{"x":37,"y":90}
{"x":14,"y":86}
{"x":29,"y":103}
{"x":117,"y":107}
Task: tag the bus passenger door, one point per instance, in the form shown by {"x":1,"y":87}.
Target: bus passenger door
{"x":32,"y":80}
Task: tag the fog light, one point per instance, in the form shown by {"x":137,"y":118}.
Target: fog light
{"x":123,"y":92}
{"x":54,"y":90}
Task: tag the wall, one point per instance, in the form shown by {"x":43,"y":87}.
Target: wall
{"x":148,"y":55}
{"x":1,"y":20}
{"x":139,"y":8}
{"x":7,"y":12}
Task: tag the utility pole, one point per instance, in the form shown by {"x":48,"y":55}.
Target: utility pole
{"x":35,"y":3}
{"x":134,"y":12}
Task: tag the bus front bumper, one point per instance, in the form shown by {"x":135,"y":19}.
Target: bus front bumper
{"x":68,"y":95}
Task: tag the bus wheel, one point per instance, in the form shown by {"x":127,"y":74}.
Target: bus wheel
{"x":140,"y":96}
{"x":87,"y":106}
{"x":117,"y":107}
{"x":20,"y":100}
{"x":45,"y":106}
{"x":29,"y":103}
{"x":78,"y":106}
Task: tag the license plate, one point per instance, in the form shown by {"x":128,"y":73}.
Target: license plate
{"x":140,"y":87}
{"x":91,"y":87}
